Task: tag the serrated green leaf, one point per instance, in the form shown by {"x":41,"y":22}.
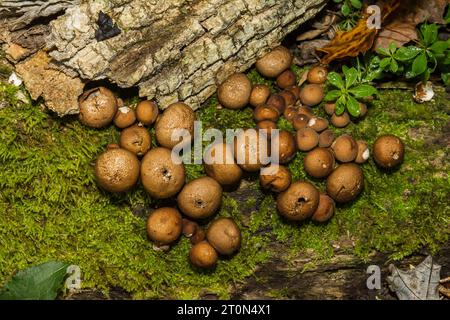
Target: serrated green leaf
{"x":420,"y":64}
{"x":393,"y":66}
{"x":353,"y":106}
{"x":345,"y":9}
{"x":385,"y":62}
{"x":332,"y":95}
{"x":351,"y":74}
{"x":340,"y":105}
{"x":41,"y":282}
{"x":439,"y":47}
{"x":407,"y":53}
{"x":363,"y":91}
{"x":336,"y":80}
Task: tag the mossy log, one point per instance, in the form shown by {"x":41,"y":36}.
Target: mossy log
{"x":172,"y":50}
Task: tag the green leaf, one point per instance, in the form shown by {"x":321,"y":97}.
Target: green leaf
{"x":345,"y":9}
{"x":385,"y":62}
{"x":353,"y":106}
{"x":340,"y":105}
{"x":429,"y":33}
{"x":363,"y":91}
{"x":407,"y":53}
{"x":394,"y":66}
{"x":336,"y":80}
{"x":332,"y":95}
{"x":439,"y":47}
{"x":356,"y":4}
{"x":446,"y":78}
{"x":383,"y":52}
{"x":351,"y":74}
{"x":41,"y":282}
{"x":447,"y":15}
{"x":392,"y":47}
{"x":420,"y":64}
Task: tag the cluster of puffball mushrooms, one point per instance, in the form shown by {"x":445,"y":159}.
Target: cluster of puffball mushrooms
{"x":133,"y":159}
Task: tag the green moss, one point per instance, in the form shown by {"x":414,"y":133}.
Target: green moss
{"x":51,"y":208}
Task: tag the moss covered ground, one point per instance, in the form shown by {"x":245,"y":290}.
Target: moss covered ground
{"x":51,"y":208}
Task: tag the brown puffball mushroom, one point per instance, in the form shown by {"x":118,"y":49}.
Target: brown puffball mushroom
{"x":124,"y":117}
{"x":299,"y":201}
{"x":340,"y":121}
{"x":306,"y":111}
{"x":345,"y":148}
{"x":147,"y":112}
{"x":326,"y":138}
{"x":164,"y":225}
{"x":329,"y":108}
{"x":259,"y":95}
{"x":189,"y":227}
{"x":162,"y":177}
{"x":250,"y":147}
{"x":295,"y":90}
{"x":362,"y":110}
{"x":276,"y":101}
{"x":286,"y":79}
{"x":200,"y":198}
{"x":317,"y":75}
{"x":136,"y":139}
{"x":286,"y":146}
{"x":117,"y":170}
{"x":388,"y":151}
{"x":98,"y":107}
{"x":307,"y":139}
{"x":290,"y":112}
{"x":224,"y":235}
{"x":276,"y":178}
{"x":319,"y":163}
{"x":198,"y":236}
{"x":289,"y":98}
{"x":300,"y":121}
{"x":345,"y":183}
{"x":177,"y":116}
{"x":312,"y":94}
{"x":272,"y":64}
{"x":325,"y":210}
{"x":363,"y":152}
{"x":267,"y":125}
{"x":235,"y":91}
{"x":318,"y":124}
{"x":265,"y":112}
{"x":203,"y":255}
{"x":220,"y":165}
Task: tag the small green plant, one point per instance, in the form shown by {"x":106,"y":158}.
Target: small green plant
{"x":349,"y":91}
{"x":350,"y":9}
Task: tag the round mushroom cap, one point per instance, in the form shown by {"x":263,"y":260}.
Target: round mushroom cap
{"x":124,"y":117}
{"x":235,"y":91}
{"x":363,"y":152}
{"x":329,"y":108}
{"x":147,"y":112}
{"x":340,"y":121}
{"x":164,"y":225}
{"x":98,"y":107}
{"x":177,"y":117}
{"x":272,"y":64}
{"x":117,"y":170}
{"x":250,"y":148}
{"x":286,"y":145}
{"x":345,"y":148}
{"x":388,"y":151}
{"x":224,"y":235}
{"x":312,"y":94}
{"x":326,"y":138}
{"x":266,"y":125}
{"x":345,"y":183}
{"x":317,"y":75}
{"x":259,"y":95}
{"x":275,"y":177}
{"x":277,"y":101}
{"x":299,"y":201}
{"x":318,"y":124}
{"x":203,"y":255}
{"x":286,"y":79}
{"x":220,"y":165}
{"x":307,"y":139}
{"x":319,"y":163}
{"x":160,"y":175}
{"x":200,"y":198}
{"x":136,"y":139}
{"x":265,"y":112}
{"x":325,"y":210}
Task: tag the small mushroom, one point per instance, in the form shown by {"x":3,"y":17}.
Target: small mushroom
{"x":276,"y":178}
{"x":259,"y":95}
{"x":250,"y":147}
{"x":290,"y":112}
{"x":318,"y":124}
{"x":307,"y":139}
{"x":362,"y":110}
{"x":319,"y":163}
{"x":286,"y":79}
{"x":345,"y":183}
{"x":299,"y":201}
{"x":306,"y":111}
{"x":294,"y":90}
{"x":277,"y":101}
{"x":326,"y":138}
{"x":198,"y":236}
{"x":272,"y":64}
{"x":286,"y":145}
{"x":325,"y":210}
{"x":136,"y":139}
{"x":268,"y":126}
{"x":98,"y":107}
{"x":340,"y":121}
{"x":300,"y":121}
{"x":363,"y":152}
{"x":345,"y":148}
{"x":224,"y":235}
{"x":147,"y":112}
{"x":164,"y":225}
{"x":317,"y":75}
{"x":265,"y":112}
{"x":388,"y":151}
{"x":203,"y":255}
{"x":311,"y":95}
{"x":220,"y":165}
{"x":329,"y":108}
{"x":189,"y":228}
{"x":124,"y":117}
{"x":289,"y":98}
{"x":235,"y":91}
